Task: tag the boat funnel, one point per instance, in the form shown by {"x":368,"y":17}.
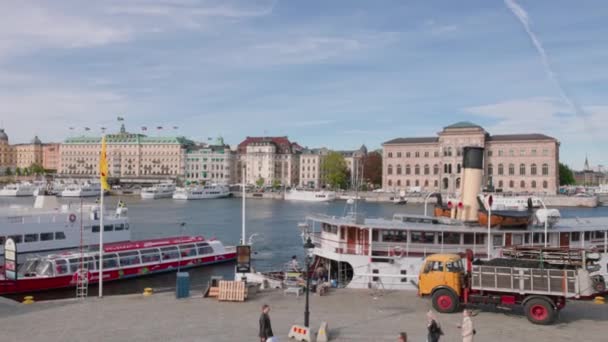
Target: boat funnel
{"x":472,"y":163}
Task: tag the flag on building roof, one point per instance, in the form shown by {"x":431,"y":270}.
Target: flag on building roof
{"x":87,"y":129}
{"x":159,"y":127}
{"x":175,"y":127}
{"x":103,"y":166}
{"x":120,"y":118}
{"x":144,"y":128}
{"x":209,"y":138}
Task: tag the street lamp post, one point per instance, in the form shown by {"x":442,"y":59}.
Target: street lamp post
{"x":308,"y":246}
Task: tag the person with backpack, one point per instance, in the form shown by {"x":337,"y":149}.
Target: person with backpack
{"x":433,"y":327}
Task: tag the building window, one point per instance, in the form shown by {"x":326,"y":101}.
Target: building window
{"x":390,"y":154}
{"x":545,"y":169}
{"x":533,"y":169}
{"x":522,"y":184}
{"x":458,"y":168}
{"x":407,"y":182}
{"x":426,"y":182}
{"x":427,"y":169}
{"x":398,"y":154}
{"x":533,"y":184}
{"x":445,"y":168}
{"x":522,"y":169}
{"x":398,"y":182}
{"x":501,"y":170}
{"x":522,"y":152}
{"x":436,"y":154}
{"x":458,"y":151}
{"x":417,"y":182}
{"x":435,"y":169}
{"x":489,"y":153}
{"x":407,"y":154}
{"x":458,"y":183}
{"x":545,"y":152}
{"x":511,"y":153}
{"x":426,"y":154}
{"x":436,"y":183}
{"x":500,"y":184}
{"x":390,"y":182}
{"x":417,"y":169}
{"x":445,"y":183}
{"x":408,"y":169}
{"x":545,"y":184}
{"x":399,"y":169}
{"x":511,"y":184}
{"x":511,"y":169}
{"x":533,"y":152}
{"x":417,"y":154}
{"x":389,"y":169}
{"x":500,"y":153}
{"x":490,"y":169}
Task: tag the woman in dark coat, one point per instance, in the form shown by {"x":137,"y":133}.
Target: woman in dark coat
{"x":265,"y":327}
{"x":434,"y":330}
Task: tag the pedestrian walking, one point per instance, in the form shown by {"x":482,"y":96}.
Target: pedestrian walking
{"x":402,"y":337}
{"x":433,"y":327}
{"x":265,"y":334}
{"x":467,"y":326}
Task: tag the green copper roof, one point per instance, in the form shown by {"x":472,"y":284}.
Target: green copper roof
{"x":463,"y":124}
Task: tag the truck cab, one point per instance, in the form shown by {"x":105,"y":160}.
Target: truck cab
{"x":442,"y":277}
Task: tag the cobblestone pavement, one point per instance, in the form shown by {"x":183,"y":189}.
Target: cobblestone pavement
{"x":353,"y":315}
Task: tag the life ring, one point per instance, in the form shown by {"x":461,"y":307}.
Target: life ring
{"x":396,"y":252}
{"x":72,"y":218}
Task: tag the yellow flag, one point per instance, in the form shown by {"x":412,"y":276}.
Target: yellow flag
{"x":103,"y":166}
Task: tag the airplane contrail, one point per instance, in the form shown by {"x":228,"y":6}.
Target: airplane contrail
{"x":522,"y":16}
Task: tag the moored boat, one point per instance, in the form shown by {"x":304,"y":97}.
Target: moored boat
{"x":120,"y":261}
{"x":310,"y":195}
{"x":202,"y":192}
{"x":18,"y":190}
{"x":87,"y":189}
{"x":161,"y":190}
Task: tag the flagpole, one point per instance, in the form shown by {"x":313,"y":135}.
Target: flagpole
{"x":101,"y":228}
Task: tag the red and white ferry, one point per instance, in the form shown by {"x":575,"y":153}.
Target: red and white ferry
{"x":120,"y":261}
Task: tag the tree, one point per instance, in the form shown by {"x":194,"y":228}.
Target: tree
{"x":372,"y":168}
{"x":18,"y":171}
{"x":335,"y":171}
{"x":8,"y":171}
{"x":260,"y":182}
{"x":36,"y":169}
{"x":566,"y":176}
{"x":276,"y":184}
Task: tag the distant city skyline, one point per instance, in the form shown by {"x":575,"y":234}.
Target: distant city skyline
{"x":336,"y":74}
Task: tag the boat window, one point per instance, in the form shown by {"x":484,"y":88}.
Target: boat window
{"x":46,"y":236}
{"x":394,"y":236}
{"x":108,"y":228}
{"x":126,"y":226}
{"x":187,"y":250}
{"x":119,"y":226}
{"x":469,"y":238}
{"x":28,"y":268}
{"x":422,"y":237}
{"x":2,"y":240}
{"x":375,"y":235}
{"x":61,"y":266}
{"x":30,"y":238}
{"x":17,"y":238}
{"x":587,"y":236}
{"x":329,"y":228}
{"x":129,"y":258}
{"x":95,"y":229}
{"x":575,"y":236}
{"x":497,"y":240}
{"x":480,"y":239}
{"x":169,"y":253}
{"x":538,"y":238}
{"x":59,"y":236}
{"x":450,"y":238}
{"x":44,"y":268}
{"x":74,"y":265}
{"x":150,"y":255}
{"x":204,"y":248}
{"x":517,"y":239}
{"x":110,"y":261}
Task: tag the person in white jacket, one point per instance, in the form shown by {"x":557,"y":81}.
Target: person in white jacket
{"x":467,"y":326}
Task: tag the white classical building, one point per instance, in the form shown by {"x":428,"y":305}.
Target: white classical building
{"x":211,"y":164}
{"x":311,"y":167}
{"x":269,"y":160}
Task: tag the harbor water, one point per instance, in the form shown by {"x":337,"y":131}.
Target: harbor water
{"x":274,"y":223}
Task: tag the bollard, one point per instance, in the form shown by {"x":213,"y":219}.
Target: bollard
{"x":322,"y":333}
{"x":599,"y":300}
{"x":28,"y":300}
{"x":148,"y":291}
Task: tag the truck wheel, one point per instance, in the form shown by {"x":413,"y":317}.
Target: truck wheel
{"x":445,"y":301}
{"x":540,"y":311}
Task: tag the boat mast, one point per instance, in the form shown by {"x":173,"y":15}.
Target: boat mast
{"x":243,"y":185}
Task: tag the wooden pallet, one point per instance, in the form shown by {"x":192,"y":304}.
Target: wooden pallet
{"x":232,"y":291}
{"x":213,"y":288}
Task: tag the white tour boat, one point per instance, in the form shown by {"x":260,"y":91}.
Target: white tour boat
{"x":50,"y":226}
{"x":501,"y":202}
{"x":161,"y":190}
{"x":310,"y":195}
{"x":202,"y":192}
{"x":87,"y":189}
{"x":18,"y":190}
{"x":361,"y":252}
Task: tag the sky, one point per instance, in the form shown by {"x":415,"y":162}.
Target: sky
{"x":325,"y":73}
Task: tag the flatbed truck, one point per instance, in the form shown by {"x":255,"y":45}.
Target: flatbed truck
{"x":451,"y":281}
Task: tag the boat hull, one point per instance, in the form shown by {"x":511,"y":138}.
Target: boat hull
{"x":25,"y":285}
{"x":156,"y":195}
{"x":504,"y":220}
{"x":310,"y":196}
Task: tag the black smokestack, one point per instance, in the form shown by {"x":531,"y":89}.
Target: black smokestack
{"x":472,"y":157}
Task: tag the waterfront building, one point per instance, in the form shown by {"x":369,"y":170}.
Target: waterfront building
{"x":132,"y":157}
{"x":512,"y":163}
{"x":590,"y":177}
{"x":354,"y":162}
{"x":311,"y":167}
{"x":50,"y":156}
{"x":271,"y":160}
{"x":6,"y":153}
{"x":210,"y":164}
{"x":28,"y":154}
